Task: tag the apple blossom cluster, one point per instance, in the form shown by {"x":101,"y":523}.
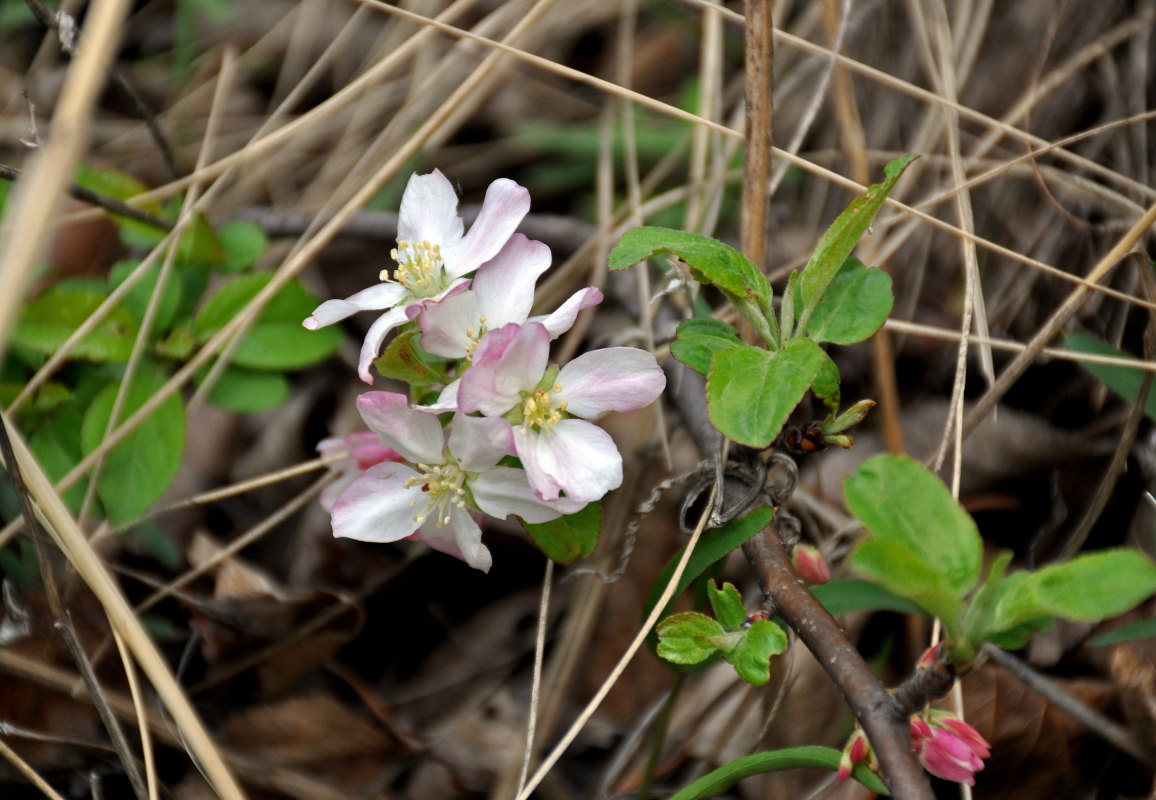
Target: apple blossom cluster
{"x":508,"y":433}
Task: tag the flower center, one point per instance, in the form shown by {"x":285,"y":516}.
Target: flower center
{"x":444,"y":488}
{"x":420,"y":268}
{"x":540,"y":408}
{"x":473,"y":336}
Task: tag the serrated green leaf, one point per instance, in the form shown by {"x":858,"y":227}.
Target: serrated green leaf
{"x":840,"y":239}
{"x":245,"y":391}
{"x":137,"y":300}
{"x":1088,"y":588}
{"x":855,"y":304}
{"x":751,"y":656}
{"x":901,"y":501}
{"x":243,"y":243}
{"x":718,"y":781}
{"x":686,"y":638}
{"x":727,"y":605}
{"x":139,"y":469}
{"x":569,"y":538}
{"x":47,"y":322}
{"x":699,"y":339}
{"x":751,"y":392}
{"x":1121,"y":380}
{"x":404,"y":360}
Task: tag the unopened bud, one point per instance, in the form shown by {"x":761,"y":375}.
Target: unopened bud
{"x":810,"y":564}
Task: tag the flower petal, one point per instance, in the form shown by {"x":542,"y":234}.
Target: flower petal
{"x":373,"y":339}
{"x":446,"y":326}
{"x":462,"y":537}
{"x":502,"y":491}
{"x":377,"y":506}
{"x":375,"y":298}
{"x":613,"y":379}
{"x":478,"y":443}
{"x":429,"y":212}
{"x":563,"y":318}
{"x":502,"y":211}
{"x":505,"y":284}
{"x":575,"y":457}
{"x":503,"y":367}
{"x":417,"y":435}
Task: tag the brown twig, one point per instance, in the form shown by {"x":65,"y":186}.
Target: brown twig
{"x":109,"y":204}
{"x":881,"y":717}
{"x":64,"y":624}
{"x":46,"y":18}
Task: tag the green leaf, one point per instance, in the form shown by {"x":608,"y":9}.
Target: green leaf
{"x":569,"y":538}
{"x":716,"y":782}
{"x":277,"y":341}
{"x":199,"y":246}
{"x":791,"y":306}
{"x":245,"y":391}
{"x":902,"y":502}
{"x":281,"y":346}
{"x":47,"y":322}
{"x":826,"y":385}
{"x":155,"y":541}
{"x":699,"y":339}
{"x":752,"y":655}
{"x":404,"y":360}
{"x":727,"y":605}
{"x":139,"y":469}
{"x":243,"y":243}
{"x":713,"y":546}
{"x":122,"y":186}
{"x":901,"y":571}
{"x":686,"y":638}
{"x":1088,"y":588}
{"x":850,"y":595}
{"x":751,"y":392}
{"x":710,"y":261}
{"x":137,"y":300}
{"x":1132,"y":632}
{"x":56,"y":445}
{"x":840,"y":239}
{"x":855,"y":304}
{"x":1121,"y":380}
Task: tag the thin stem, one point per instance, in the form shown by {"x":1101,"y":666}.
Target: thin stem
{"x":64,"y":624}
{"x":110,"y":204}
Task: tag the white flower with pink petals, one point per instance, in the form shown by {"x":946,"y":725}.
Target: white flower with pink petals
{"x":561,"y":454}
{"x":501,"y":292}
{"x":433,"y":256}
{"x":456,"y":472}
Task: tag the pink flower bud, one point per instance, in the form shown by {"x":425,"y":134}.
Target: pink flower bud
{"x":948,"y":747}
{"x":856,"y":751}
{"x":810,"y":564}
